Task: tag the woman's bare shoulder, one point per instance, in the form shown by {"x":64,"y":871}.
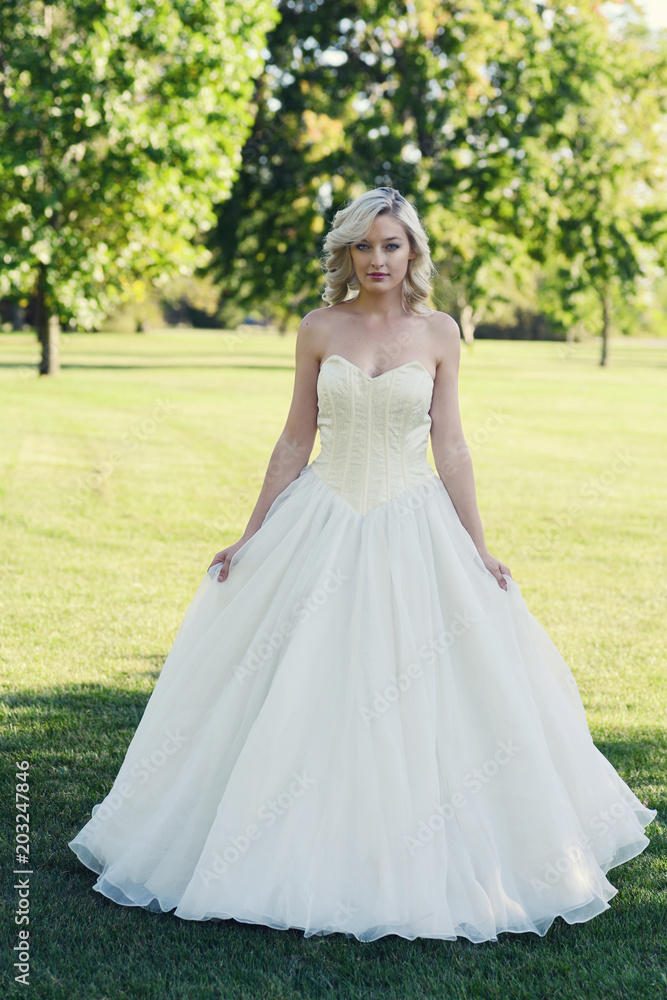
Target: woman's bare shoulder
{"x":318,"y":327}
{"x":322,"y":318}
{"x":315,"y":319}
{"x":445,"y":338}
{"x":313,"y":334}
{"x":443,"y":325}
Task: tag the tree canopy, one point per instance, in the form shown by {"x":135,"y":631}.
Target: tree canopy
{"x":476,"y":113}
{"x":145,"y":140}
{"x":122,"y":123}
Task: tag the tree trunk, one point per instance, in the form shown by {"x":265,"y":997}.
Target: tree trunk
{"x":606,"y":322}
{"x":17,"y":316}
{"x":468,"y":324}
{"x":48,"y":328}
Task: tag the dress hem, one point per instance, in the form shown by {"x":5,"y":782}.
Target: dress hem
{"x":622,"y":855}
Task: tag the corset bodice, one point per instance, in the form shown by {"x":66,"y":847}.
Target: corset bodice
{"x":373,"y":431}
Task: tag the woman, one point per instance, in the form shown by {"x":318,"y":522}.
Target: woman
{"x":360,"y":726}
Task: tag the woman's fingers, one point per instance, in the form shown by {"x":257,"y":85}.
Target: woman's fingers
{"x":503,"y":571}
{"x":224,"y":568}
{"x":225,"y":557}
{"x":497,"y":569}
{"x":220,"y":557}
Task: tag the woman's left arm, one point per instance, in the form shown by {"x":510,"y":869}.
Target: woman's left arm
{"x":450,"y":450}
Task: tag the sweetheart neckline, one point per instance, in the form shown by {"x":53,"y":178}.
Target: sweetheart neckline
{"x":372,"y":378}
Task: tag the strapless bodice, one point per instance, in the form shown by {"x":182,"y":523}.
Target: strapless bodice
{"x":373,"y":431}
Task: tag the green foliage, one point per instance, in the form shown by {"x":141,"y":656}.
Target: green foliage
{"x":122,"y":122}
{"x":606,"y":182}
{"x":496,"y":119}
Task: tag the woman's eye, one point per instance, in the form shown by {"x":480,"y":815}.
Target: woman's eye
{"x":364,"y":246}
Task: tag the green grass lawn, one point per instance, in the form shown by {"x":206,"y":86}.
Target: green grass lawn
{"x":124,"y":475}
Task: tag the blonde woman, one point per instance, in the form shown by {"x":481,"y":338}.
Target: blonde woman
{"x":360,"y":727}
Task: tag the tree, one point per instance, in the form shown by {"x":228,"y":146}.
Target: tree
{"x":391,"y":95}
{"x":606,"y":179}
{"x":122,"y":122}
{"x":436,"y":99}
{"x":462,"y":107}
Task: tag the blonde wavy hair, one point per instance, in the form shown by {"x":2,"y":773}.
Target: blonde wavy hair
{"x":351,"y":225}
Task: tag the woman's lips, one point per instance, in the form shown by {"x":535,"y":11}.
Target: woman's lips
{"x":378,"y":275}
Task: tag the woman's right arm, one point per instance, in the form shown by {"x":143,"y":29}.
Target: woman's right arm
{"x":295,"y":443}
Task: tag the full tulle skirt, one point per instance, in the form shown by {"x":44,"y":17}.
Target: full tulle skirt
{"x":360,"y":732}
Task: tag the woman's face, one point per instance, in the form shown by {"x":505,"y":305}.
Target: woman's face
{"x":381,"y":258}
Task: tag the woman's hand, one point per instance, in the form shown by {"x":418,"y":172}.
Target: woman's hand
{"x":496,"y":567}
{"x":224,"y":558}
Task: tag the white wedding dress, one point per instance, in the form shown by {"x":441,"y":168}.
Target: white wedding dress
{"x":359,"y":731}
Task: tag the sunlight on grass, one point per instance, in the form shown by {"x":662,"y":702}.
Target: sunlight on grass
{"x":123,"y":476}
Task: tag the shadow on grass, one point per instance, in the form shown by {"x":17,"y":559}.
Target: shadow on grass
{"x":222,"y":362}
{"x":58,"y":725}
{"x":181,"y":361}
{"x":86,"y":946}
